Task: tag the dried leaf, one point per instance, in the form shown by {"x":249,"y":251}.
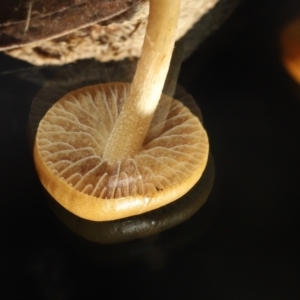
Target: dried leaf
{"x":25,"y":21}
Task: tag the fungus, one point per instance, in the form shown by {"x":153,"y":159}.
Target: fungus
{"x":109,"y":151}
{"x":290,"y":48}
{"x":61,"y":32}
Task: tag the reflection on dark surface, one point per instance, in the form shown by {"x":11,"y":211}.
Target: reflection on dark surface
{"x":249,"y":251}
{"x":143,"y":225}
{"x":159,"y":242}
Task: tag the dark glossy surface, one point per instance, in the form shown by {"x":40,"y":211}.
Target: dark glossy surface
{"x":244,"y":242}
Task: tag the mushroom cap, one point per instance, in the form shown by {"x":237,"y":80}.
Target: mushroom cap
{"x":68,"y":155}
{"x":121,"y":36}
{"x":290,"y":48}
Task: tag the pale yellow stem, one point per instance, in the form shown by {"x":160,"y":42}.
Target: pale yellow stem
{"x":133,"y":123}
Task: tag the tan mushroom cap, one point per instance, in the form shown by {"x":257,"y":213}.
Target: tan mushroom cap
{"x":118,"y":38}
{"x":290,"y":48}
{"x":70,"y":142}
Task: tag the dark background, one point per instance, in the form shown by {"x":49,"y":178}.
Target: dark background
{"x":243,"y":244}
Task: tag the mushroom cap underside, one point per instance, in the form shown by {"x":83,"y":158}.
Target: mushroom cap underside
{"x":70,"y":142}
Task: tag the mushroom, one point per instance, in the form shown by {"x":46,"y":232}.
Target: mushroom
{"x":55,"y":35}
{"x":109,"y":151}
{"x":290,"y":48}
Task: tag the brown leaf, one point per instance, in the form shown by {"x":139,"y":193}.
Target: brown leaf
{"x":25,"y":21}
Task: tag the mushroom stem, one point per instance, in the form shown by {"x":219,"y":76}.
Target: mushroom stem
{"x":133,"y":123}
